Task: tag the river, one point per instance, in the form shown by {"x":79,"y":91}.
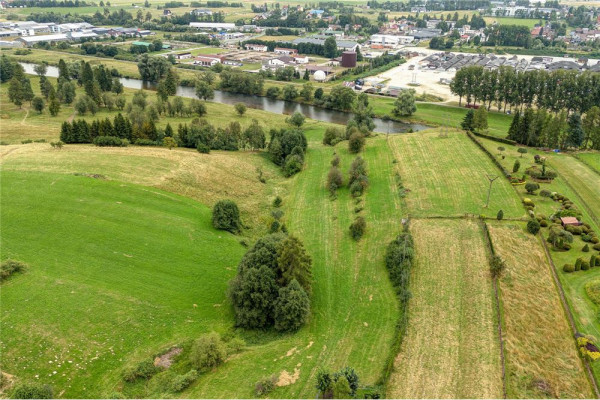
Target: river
{"x":263,"y":103}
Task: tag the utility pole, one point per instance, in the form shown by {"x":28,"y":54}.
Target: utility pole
{"x":491,"y":178}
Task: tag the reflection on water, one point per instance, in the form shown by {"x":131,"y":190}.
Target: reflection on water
{"x":263,"y":103}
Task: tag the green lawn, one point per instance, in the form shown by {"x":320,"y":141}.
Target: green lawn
{"x":591,"y":159}
{"x":115,"y":271}
{"x":447,"y":177}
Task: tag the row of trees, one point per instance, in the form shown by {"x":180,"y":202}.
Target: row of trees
{"x":273,"y":284}
{"x":556,"y":90}
{"x":540,"y":128}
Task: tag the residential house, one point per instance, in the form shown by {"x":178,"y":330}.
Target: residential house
{"x":256,"y":47}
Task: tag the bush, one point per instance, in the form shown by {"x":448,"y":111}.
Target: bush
{"x":544,"y":223}
{"x":516,"y":166}
{"x":596,"y":246}
{"x":293,"y":165}
{"x":585,"y":265}
{"x":594,"y":261}
{"x":240,"y":108}
{"x":333,"y":136}
{"x":226,"y":216}
{"x":32,"y":391}
{"x":208,"y":352}
{"x":334,"y":180}
{"x":568,"y":268}
{"x":585,"y":248}
{"x":202,"y":148}
{"x":356,"y":142}
{"x":264,"y":386}
{"x":500,"y":215}
{"x":277,"y":201}
{"x":578,"y":264}
{"x":10,"y":267}
{"x":528,"y":202}
{"x":497,"y":266}
{"x":545,"y":193}
{"x":110,"y":141}
{"x":182,"y":382}
{"x":357,"y":228}
{"x":531,"y":187}
{"x":144,"y":370}
{"x":533,"y":227}
{"x":595,"y":240}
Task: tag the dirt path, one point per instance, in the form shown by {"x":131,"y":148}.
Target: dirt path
{"x":25,"y":117}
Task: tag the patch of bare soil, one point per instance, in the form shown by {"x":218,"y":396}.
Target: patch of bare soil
{"x":166,"y":359}
{"x":285,"y":378}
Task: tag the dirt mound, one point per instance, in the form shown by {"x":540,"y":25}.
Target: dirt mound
{"x":166,"y":359}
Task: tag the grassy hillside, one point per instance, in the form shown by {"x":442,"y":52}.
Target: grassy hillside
{"x":353,"y":302}
{"x":592,"y":159}
{"x":541,"y":358}
{"x":354,"y":307}
{"x":451,"y":349}
{"x":447,"y":176}
{"x":115,"y":273}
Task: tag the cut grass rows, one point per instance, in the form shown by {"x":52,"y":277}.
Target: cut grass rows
{"x":448,"y":177}
{"x":451,"y":348}
{"x":540,"y":355}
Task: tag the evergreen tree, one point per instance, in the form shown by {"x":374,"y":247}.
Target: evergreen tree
{"x":514,"y":126}
{"x":575,"y":130}
{"x":294,"y":263}
{"x":53,"y":105}
{"x":253,"y":293}
{"x":28,"y":94}
{"x":168,"y":130}
{"x":468,"y":121}
{"x":292,"y":307}
{"x":15,"y":92}
{"x":63,"y":71}
{"x":38,"y":104}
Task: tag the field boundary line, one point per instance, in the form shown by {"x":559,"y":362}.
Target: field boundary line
{"x":594,"y":170}
{"x":568,"y":313}
{"x":490,"y":253}
{"x":587,"y":208}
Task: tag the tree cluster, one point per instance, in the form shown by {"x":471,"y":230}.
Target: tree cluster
{"x":555,"y":91}
{"x":239,"y":82}
{"x":540,"y":128}
{"x":273,"y":283}
{"x":287,"y":148}
{"x":339,"y":385}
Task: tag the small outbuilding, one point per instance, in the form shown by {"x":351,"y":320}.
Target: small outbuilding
{"x":565,"y":221}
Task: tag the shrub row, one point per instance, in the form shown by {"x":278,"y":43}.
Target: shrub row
{"x":495,"y":138}
{"x":399,"y":257}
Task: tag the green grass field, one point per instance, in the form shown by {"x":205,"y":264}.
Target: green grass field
{"x":446,"y":176}
{"x":451,"y":349}
{"x":528,"y":22}
{"x":353,"y":302}
{"x":540,"y":355}
{"x":115,"y":271}
{"x":592,"y":160}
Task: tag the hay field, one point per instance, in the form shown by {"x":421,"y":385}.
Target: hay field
{"x":541,"y":357}
{"x":450,"y":349}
